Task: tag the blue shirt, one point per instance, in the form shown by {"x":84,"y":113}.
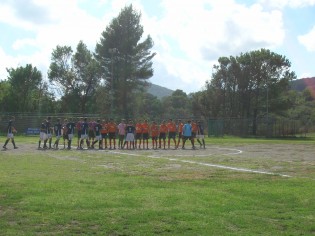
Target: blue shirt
{"x":187,"y":129}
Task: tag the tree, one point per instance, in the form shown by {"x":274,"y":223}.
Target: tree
{"x":250,"y":85}
{"x":76,"y":75}
{"x":125,"y":61}
{"x":25,"y":83}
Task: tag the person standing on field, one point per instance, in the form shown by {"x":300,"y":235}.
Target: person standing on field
{"x":57,"y":130}
{"x":130,"y":135}
{"x":171,"y":126}
{"x":162,"y":136}
{"x":180,"y":131}
{"x":42,"y":133}
{"x":98,"y":135}
{"x":79,"y":129}
{"x":154,"y":135}
{"x":70,"y":132}
{"x":84,"y":133}
{"x":121,"y":133}
{"x":187,"y":134}
{"x":112,"y":128}
{"x":10,"y":130}
{"x":104,"y":133}
{"x":138,"y":134}
{"x":201,"y":135}
{"x":145,"y":134}
{"x":48,"y":133}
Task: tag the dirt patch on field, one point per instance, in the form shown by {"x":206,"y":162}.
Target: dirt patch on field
{"x":284,"y":159}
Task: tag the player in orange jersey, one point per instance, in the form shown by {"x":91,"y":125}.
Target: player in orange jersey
{"x":171,"y":126}
{"x":112,"y":128}
{"x":154,"y":134}
{"x":104,"y":133}
{"x":194,"y":129}
{"x":163,"y":131}
{"x":138,"y":133}
{"x":180,"y":125}
{"x":145,"y":133}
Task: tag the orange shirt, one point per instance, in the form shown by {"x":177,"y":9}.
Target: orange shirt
{"x":104,"y":129}
{"x":138,"y":128}
{"x":163,"y":128}
{"x":145,"y":128}
{"x":154,"y":130}
{"x":194,"y":127}
{"x":171,"y":127}
{"x":180,"y":127}
{"x":111,"y":127}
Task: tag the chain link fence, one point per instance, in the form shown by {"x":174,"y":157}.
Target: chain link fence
{"x":273,"y":127}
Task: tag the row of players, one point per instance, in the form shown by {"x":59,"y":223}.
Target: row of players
{"x":130,"y":135}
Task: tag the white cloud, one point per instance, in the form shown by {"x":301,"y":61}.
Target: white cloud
{"x":308,"y":40}
{"x":191,"y":35}
{"x":287,"y":3}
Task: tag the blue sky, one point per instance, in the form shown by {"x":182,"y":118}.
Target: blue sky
{"x":189,"y":36}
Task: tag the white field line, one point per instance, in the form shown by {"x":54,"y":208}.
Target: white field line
{"x":205,"y":164}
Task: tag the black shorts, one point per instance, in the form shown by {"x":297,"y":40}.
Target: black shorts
{"x":112,"y":135}
{"x":193,"y":135}
{"x":91,"y":134}
{"x":138,"y":136}
{"x":180,"y":135}
{"x":155,"y":138}
{"x":104,"y":136}
{"x":162,"y":136}
{"x":187,"y":137}
{"x":65,"y":136}
{"x":171,"y":135}
{"x":145,"y":136}
{"x":79,"y":133}
{"x":121,"y":137}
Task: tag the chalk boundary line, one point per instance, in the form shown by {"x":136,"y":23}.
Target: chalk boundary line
{"x":237,"y":151}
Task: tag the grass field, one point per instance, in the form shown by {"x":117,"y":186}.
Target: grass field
{"x":234,"y":187}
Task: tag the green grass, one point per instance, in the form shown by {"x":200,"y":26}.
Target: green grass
{"x":98,"y":193}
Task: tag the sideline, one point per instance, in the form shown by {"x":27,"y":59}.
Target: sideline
{"x":205,"y":164}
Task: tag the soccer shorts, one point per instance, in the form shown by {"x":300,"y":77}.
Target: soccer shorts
{"x":138,"y":135}
{"x":84,"y":136}
{"x":42,"y":136}
{"x":130,"y":137}
{"x":200,"y":136}
{"x":171,"y":135}
{"x":145,"y":136}
{"x":112,"y":135}
{"x":162,"y":136}
{"x":10,"y":135}
{"x":98,"y":137}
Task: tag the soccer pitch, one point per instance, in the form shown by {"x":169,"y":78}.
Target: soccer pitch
{"x":233,"y":187}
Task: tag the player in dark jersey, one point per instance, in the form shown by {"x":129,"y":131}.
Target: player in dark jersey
{"x":42,"y":133}
{"x":57,"y":130}
{"x":65,"y":133}
{"x":48,"y":133}
{"x":70,"y":131}
{"x":84,"y":133}
{"x":10,"y":130}
{"x":98,"y":135}
{"x":79,"y":129}
{"x":201,"y":135}
{"x":130,"y":135}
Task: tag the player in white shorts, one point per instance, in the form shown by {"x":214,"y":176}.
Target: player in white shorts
{"x":10,"y":130}
{"x":42,"y":133}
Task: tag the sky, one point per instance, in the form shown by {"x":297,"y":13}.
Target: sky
{"x":189,"y":35}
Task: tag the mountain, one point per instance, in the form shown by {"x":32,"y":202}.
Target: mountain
{"x":159,"y":91}
{"x":301,"y":84}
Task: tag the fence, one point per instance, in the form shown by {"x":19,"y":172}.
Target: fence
{"x":28,"y":123}
{"x":274,"y":127}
